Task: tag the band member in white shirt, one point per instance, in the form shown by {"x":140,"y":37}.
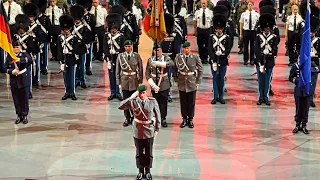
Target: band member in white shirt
{"x":54,"y":13}
{"x":100,"y":14}
{"x":202,"y":24}
{"x":248,"y":21}
{"x":12,"y":9}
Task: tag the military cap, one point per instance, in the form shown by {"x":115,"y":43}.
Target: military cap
{"x":22,"y":21}
{"x":85,"y":3}
{"x":42,"y":4}
{"x":169,"y":21}
{"x":31,"y":10}
{"x":77,"y":11}
{"x":142,"y":88}
{"x":118,"y":9}
{"x":156,"y":46}
{"x":186,"y":44}
{"x":114,"y":20}
{"x":127,"y":42}
{"x":15,"y":42}
{"x":266,"y":18}
{"x":314,"y":23}
{"x":220,"y":16}
{"x":66,"y":22}
{"x":266,"y":3}
{"x":225,"y":3}
{"x":127,"y":4}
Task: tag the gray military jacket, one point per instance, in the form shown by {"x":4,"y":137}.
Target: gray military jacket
{"x":129,"y":73}
{"x":191,"y":65}
{"x":150,"y":110}
{"x":164,"y":82}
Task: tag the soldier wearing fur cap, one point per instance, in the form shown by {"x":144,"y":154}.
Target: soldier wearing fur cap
{"x":129,"y":27}
{"x":220,"y":44}
{"x":82,"y":33}
{"x":88,"y":20}
{"x":67,"y":49}
{"x":113,"y":45}
{"x":43,"y":24}
{"x":146,"y":126}
{"x":266,"y":49}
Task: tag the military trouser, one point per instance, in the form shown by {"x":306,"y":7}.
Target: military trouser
{"x":44,"y":57}
{"x":89,"y":58}
{"x":114,"y":88}
{"x":80,"y":71}
{"x":293,"y":46}
{"x":203,"y":41}
{"x":20,"y":98}
{"x":302,"y":109}
{"x":248,"y":37}
{"x":162,"y":99}
{"x":218,"y":81}
{"x":240,"y":42}
{"x":2,"y":60}
{"x":69,"y":79}
{"x":187,"y":104}
{"x":314,"y":79}
{"x":144,"y":155}
{"x":36,"y":70}
{"x":264,"y":80}
{"x":128,"y":113}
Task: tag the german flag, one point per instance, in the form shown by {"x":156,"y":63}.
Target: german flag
{"x":153,"y":24}
{"x":5,"y":37}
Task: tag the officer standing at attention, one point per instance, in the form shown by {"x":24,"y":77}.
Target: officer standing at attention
{"x":19,"y":81}
{"x":157,"y":77}
{"x":240,"y":8}
{"x":113,"y":45}
{"x":266,"y":48}
{"x":100,"y":13}
{"x":248,"y":21}
{"x":68,"y":47}
{"x":202,"y":24}
{"x":146,"y":126}
{"x":129,"y":74}
{"x":187,"y":73}
{"x":293,"y":25}
{"x":220,"y":44}
{"x":82,"y":33}
{"x":89,"y":21}
{"x":54,"y":13}
{"x":43,"y":23}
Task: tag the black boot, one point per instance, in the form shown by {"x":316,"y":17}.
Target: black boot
{"x":304,"y":129}
{"x":83,"y":85}
{"x":190,"y":123}
{"x":140,"y":174}
{"x":164,"y":122}
{"x":66,"y":96}
{"x":296,"y":129}
{"x":25,"y":120}
{"x":184,"y":123}
{"x":126,"y":123}
{"x":19,"y":119}
{"x":148,"y":174}
{"x":73,"y":97}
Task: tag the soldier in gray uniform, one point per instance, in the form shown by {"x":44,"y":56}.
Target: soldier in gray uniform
{"x":157,"y":77}
{"x":187,"y":73}
{"x":129,"y":74}
{"x":145,"y":127}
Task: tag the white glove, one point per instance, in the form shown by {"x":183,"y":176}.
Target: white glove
{"x":62,"y":67}
{"x":134,"y":95}
{"x":109,"y":65}
{"x":120,"y":87}
{"x":153,"y":85}
{"x":77,"y":56}
{"x":214,"y":66}
{"x":313,"y":54}
{"x":262,"y":69}
{"x":265,"y":51}
{"x":218,"y":53}
{"x":159,"y":64}
{"x":197,"y":86}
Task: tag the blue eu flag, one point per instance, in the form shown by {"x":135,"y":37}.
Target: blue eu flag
{"x":305,"y":58}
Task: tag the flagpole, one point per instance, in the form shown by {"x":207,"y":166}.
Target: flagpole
{"x":156,"y":23}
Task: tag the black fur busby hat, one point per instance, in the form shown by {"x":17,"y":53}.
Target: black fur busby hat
{"x":118,"y":9}
{"x":314,"y":24}
{"x":85,"y":3}
{"x":42,"y":4}
{"x":114,"y":20}
{"x":127,"y":4}
{"x":66,"y":22}
{"x":22,"y":21}
{"x":266,"y":3}
{"x":77,"y":11}
{"x":225,"y":3}
{"x":220,"y":16}
{"x":31,"y":9}
{"x":177,"y":7}
{"x":169,"y":21}
{"x":266,"y":18}
{"x":303,"y":9}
